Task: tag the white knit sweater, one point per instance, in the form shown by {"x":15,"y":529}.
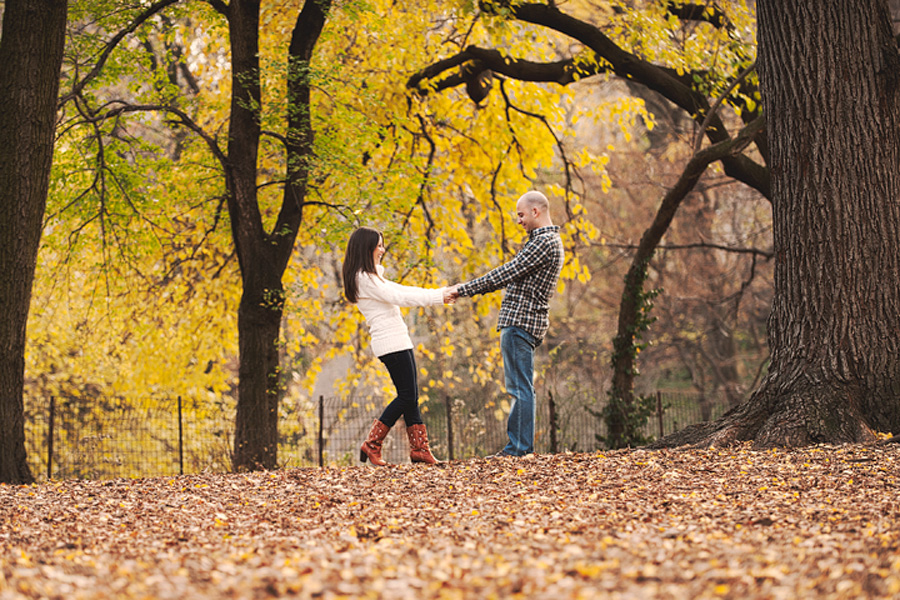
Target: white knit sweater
{"x":380,"y":300}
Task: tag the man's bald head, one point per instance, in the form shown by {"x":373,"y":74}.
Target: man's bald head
{"x":536,"y":199}
{"x":533,"y":211}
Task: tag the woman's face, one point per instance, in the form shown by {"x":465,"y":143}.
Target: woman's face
{"x":379,"y":250}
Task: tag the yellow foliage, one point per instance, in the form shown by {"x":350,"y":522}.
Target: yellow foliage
{"x":154,"y":312}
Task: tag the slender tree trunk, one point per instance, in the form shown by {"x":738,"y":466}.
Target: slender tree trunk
{"x":31,"y":51}
{"x":264,"y":256}
{"x":829,"y":73}
{"x":623,"y":360}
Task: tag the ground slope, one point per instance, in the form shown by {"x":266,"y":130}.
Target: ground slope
{"x":820,"y":522}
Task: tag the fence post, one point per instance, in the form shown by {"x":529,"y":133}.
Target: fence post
{"x":50,"y":426}
{"x":659,"y":412}
{"x":449,"y":405}
{"x":554,"y":443}
{"x":180,"y":440}
{"x":321,"y":430}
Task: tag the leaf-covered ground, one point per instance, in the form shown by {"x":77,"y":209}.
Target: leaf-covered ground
{"x":822,"y":522}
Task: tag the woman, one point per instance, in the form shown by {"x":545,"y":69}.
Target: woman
{"x":379,"y":300}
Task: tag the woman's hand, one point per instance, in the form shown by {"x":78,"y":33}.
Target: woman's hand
{"x":451,"y":294}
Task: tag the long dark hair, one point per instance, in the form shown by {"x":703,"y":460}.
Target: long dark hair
{"x":359,"y":257}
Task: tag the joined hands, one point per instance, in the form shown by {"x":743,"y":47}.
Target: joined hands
{"x":451,"y":294}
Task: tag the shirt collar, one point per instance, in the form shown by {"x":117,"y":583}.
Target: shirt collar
{"x":543,"y":230}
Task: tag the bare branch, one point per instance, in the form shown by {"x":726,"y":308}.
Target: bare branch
{"x":559,"y":144}
{"x":623,"y":364}
{"x":715,"y":107}
{"x":420,"y":198}
{"x":756,"y":252}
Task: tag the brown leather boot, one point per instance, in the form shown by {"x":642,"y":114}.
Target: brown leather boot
{"x":371,"y":448}
{"x":418,"y":445}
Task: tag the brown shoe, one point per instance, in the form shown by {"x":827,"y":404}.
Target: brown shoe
{"x":418,"y":445}
{"x":371,"y":448}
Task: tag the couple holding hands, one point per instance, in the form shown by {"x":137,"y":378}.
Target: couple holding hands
{"x":529,"y":278}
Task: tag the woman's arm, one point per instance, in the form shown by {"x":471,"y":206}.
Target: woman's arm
{"x":376,"y":288}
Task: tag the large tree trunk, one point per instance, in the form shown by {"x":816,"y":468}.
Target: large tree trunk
{"x":259,"y":313}
{"x":31,"y":52}
{"x":256,"y":422}
{"x":829,"y":74}
{"x":264,"y":256}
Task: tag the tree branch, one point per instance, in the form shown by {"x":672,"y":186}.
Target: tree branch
{"x":124,"y":107}
{"x":756,"y":252}
{"x":707,"y":13}
{"x":611,"y":58}
{"x":219,"y":6}
{"x":561,"y":72}
{"x":305,"y":35}
{"x":420,"y":197}
{"x":559,"y":144}
{"x":715,"y":107}
{"x":111,"y":45}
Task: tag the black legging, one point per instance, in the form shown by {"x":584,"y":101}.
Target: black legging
{"x":402,"y":367}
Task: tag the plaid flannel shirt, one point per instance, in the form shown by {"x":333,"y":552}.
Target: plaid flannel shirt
{"x":530,"y":280}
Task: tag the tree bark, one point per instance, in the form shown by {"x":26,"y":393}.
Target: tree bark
{"x":264,"y":256}
{"x":31,"y":50}
{"x":829,"y":74}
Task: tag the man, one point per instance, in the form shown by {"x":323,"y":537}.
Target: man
{"x":530,"y":279}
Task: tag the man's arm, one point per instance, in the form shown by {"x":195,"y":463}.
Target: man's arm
{"x":530,"y":258}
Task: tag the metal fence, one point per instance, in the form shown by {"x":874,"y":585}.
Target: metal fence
{"x":71,"y":438}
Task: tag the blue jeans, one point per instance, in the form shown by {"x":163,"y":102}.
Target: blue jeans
{"x":517,"y":347}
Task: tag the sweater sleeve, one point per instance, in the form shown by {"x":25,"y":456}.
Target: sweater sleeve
{"x":372,"y":286}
